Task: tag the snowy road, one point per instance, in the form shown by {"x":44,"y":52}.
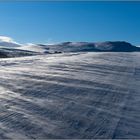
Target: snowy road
{"x":87,"y":95}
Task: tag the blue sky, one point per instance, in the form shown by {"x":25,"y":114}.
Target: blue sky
{"x":42,"y":22}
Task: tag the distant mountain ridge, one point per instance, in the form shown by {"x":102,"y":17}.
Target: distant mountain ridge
{"x":108,"y":46}
{"x":14,"y":50}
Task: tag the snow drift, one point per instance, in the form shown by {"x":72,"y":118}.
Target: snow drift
{"x":70,"y":96}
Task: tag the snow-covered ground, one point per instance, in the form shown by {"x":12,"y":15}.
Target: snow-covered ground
{"x":74,"y":95}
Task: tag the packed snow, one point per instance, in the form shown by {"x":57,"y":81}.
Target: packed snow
{"x":70,"y":95}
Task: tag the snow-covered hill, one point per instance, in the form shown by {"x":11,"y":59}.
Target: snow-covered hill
{"x":117,"y":46}
{"x":13,"y":52}
{"x":35,"y":48}
{"x":8,"y":42}
{"x":12,"y":49}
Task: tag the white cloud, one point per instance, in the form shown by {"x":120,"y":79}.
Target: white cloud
{"x":8,"y":39}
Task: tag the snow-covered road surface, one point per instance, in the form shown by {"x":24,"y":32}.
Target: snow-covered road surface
{"x":85,"y":95}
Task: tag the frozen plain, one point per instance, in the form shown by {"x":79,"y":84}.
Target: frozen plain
{"x":71,"y":95}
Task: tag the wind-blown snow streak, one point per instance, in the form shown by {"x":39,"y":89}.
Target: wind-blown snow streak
{"x":80,"y":95}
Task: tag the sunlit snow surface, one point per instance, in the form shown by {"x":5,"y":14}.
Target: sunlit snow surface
{"x":83,"y":95}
